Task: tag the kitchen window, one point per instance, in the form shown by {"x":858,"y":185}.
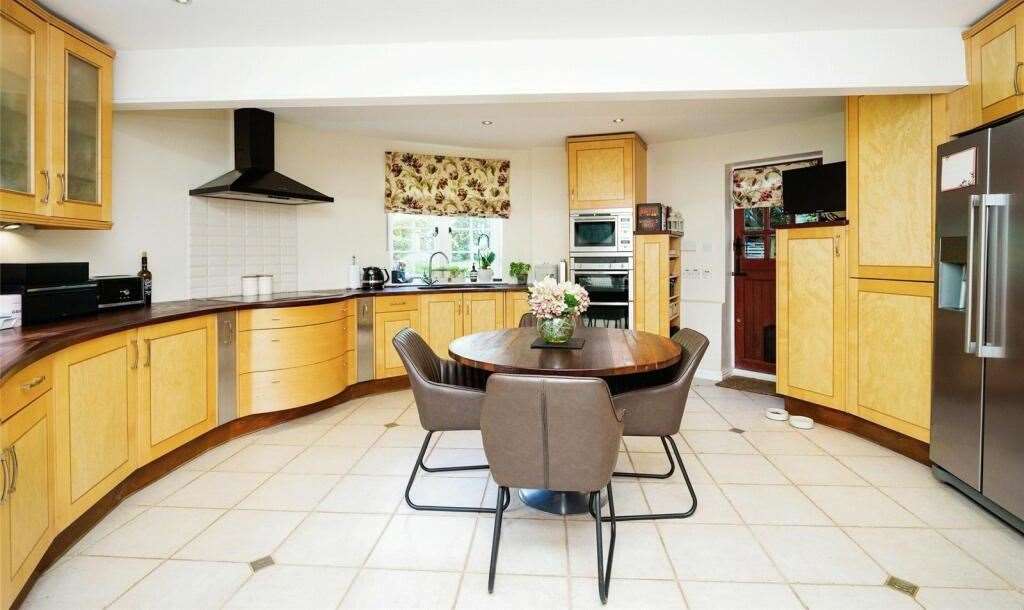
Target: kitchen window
{"x":412,"y":238}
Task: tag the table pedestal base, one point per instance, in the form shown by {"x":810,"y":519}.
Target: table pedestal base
{"x":557,"y":502}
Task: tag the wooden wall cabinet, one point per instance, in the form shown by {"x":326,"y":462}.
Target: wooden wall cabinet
{"x":890,"y":354}
{"x":607,"y":171}
{"x":58,"y":109}
{"x":997,"y":62}
{"x":656,"y":260}
{"x":811,"y":315}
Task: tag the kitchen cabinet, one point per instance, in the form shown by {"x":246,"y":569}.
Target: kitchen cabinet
{"x":890,"y":354}
{"x":890,"y":161}
{"x":607,"y":171}
{"x":517,"y":303}
{"x":657,"y":287}
{"x":481,"y":312}
{"x":95,"y":400}
{"x":267,"y":391}
{"x":386,"y":325}
{"x":26,"y":494}
{"x":57,"y":96}
{"x":811,"y":304}
{"x":442,"y":319}
{"x":177,"y":373}
{"x":281,"y":348}
{"x":996,"y":62}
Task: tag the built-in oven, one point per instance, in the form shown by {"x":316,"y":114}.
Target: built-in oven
{"x":609,"y":282}
{"x":608,"y":230}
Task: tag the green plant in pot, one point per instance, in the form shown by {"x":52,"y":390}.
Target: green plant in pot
{"x":486,"y":274}
{"x":520,"y":271}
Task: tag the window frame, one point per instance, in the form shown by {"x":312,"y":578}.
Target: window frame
{"x":444,"y":240}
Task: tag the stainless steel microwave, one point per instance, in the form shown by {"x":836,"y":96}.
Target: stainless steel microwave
{"x":608,"y":230}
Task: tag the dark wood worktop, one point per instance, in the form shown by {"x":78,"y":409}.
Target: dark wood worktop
{"x":22,"y":346}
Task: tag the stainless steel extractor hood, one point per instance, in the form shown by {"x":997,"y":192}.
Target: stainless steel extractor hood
{"x":254,"y":178}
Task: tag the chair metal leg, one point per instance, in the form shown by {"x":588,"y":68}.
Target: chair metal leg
{"x":689,"y":486}
{"x":604,"y":572}
{"x":503,"y":499}
{"x":447,"y":509}
{"x":419,"y":462}
{"x":645,"y":475}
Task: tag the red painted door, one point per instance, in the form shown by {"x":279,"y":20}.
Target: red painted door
{"x":754,"y":284}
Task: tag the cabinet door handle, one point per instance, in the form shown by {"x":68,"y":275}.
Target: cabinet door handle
{"x":62,"y":195}
{"x":7,"y":477}
{"x":46,"y":196}
{"x":25,"y":387}
{"x":275,"y":340}
{"x":147,"y":342}
{"x":14,"y":468}
{"x":135,"y":355}
{"x":835,"y":245}
{"x":1016,"y":78}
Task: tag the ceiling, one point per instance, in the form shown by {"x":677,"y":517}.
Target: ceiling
{"x":159,"y":24}
{"x":525,"y":125}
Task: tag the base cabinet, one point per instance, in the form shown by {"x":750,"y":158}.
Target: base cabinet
{"x":517,"y":303}
{"x":441,"y":317}
{"x":481,"y":312}
{"x":386,"y":362}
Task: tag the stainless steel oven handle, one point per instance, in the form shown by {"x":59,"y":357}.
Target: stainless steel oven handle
{"x":970,"y":347}
{"x":603,"y":304}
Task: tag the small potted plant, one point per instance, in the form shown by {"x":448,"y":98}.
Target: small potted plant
{"x":486,"y":274}
{"x":520,"y":271}
{"x":556,"y":306}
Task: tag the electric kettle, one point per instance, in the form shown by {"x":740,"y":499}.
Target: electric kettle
{"x":374,"y":278}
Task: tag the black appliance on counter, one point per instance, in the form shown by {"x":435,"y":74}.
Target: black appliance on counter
{"x":118,"y":291}
{"x":374,"y":278}
{"x":50,"y":291}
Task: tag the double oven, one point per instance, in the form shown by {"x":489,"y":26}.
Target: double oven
{"x":601,"y":260}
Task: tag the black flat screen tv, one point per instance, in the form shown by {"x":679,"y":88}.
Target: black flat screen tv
{"x":818,"y":188}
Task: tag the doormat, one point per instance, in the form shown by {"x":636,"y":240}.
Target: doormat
{"x":748,"y":384}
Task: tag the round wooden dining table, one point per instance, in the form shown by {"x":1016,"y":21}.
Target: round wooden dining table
{"x":608,"y":353}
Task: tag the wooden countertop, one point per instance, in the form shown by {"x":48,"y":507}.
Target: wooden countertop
{"x":22,"y":346}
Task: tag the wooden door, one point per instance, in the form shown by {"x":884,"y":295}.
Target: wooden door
{"x":94,"y":421}
{"x":651,"y":287}
{"x":996,"y":55}
{"x":482,"y":311}
{"x":385,"y":326}
{"x":25,"y":186}
{"x":811,"y":314}
{"x":26,"y":516}
{"x":754,"y":287}
{"x":177,"y":384}
{"x":601,"y":173}
{"x":890,"y":354}
{"x":517,"y":303}
{"x":442,"y":320}
{"x":81,"y":94}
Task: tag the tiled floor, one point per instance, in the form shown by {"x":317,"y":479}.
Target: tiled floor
{"x":787,"y":519}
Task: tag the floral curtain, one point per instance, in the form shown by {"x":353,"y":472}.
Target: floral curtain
{"x":761,"y":186}
{"x":446,"y":186}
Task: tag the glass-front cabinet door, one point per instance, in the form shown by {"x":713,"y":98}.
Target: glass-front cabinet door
{"x":24,"y":175}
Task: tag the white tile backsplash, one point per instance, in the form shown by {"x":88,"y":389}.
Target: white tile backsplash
{"x":229,"y":239}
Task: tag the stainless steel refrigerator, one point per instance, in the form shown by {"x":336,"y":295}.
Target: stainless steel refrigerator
{"x":977,"y":429}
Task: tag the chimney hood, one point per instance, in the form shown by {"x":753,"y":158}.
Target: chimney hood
{"x":254,"y":178}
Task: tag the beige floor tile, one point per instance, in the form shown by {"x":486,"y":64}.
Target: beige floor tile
{"x":771,"y":442}
{"x":156,"y":491}
{"x":390,"y":400}
{"x":818,"y":555}
{"x":958,"y":599}
{"x":241,"y":536}
{"x":335,"y":414}
{"x":364,"y":494}
{"x":186,"y":584}
{"x":424,"y":542}
{"x":403,"y":436}
{"x":742,"y":469}
{"x":334,"y":539}
{"x":655,"y":463}
{"x":838,"y":442}
{"x":849,"y":597}
{"x":259,"y":458}
{"x":754,"y":420}
{"x":440,"y":457}
{"x":712,"y":506}
{"x":717,"y":441}
{"x":895,"y":471}
{"x":924,"y":558}
{"x":1002,"y":550}
{"x":648,"y":444}
{"x":627,"y":594}
{"x":293,"y":588}
{"x":157,"y":533}
{"x":943,"y":507}
{"x":698,"y":420}
{"x":716,"y":552}
{"x":860,"y":506}
{"x":349,"y":435}
{"x":386,"y":461}
{"x":218,"y":454}
{"x":528,"y":546}
{"x":409,"y":417}
{"x":296,"y":432}
{"x":323,"y":459}
{"x":216,"y":490}
{"x":639,"y":552}
{"x":387,"y":589}
{"x":368,"y":414}
{"x":122,"y":514}
{"x":87,"y":582}
{"x":458,"y":439}
{"x":444,"y":491}
{"x":774,"y":505}
{"x":815,"y":470}
{"x":513,"y":592}
{"x":735,"y":595}
{"x":282,"y":491}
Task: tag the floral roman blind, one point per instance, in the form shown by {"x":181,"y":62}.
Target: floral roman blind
{"x":446,"y":186}
{"x":761,"y":186}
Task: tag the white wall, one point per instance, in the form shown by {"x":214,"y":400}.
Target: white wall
{"x":692,"y":176}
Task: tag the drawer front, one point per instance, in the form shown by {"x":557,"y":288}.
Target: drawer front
{"x":405,"y":302}
{"x":282,"y":348}
{"x":25,"y":386}
{"x":285,"y":317}
{"x":288,"y":388}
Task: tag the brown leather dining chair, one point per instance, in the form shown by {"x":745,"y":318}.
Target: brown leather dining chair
{"x":449,"y":397}
{"x":557,"y":433}
{"x":528,"y":320}
{"x":657,"y":411}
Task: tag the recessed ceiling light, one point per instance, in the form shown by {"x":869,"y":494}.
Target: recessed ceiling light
{"x":487,"y":123}
{"x":618,"y":120}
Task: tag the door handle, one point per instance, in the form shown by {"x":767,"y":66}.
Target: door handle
{"x":46,"y":175}
{"x":63,"y":193}
{"x":6,"y":476}
{"x":148,"y":344}
{"x":135,"y":355}
{"x":969,"y":345}
{"x":13,"y":450}
{"x":25,"y":387}
{"x":835,"y":245}
{"x":1016,"y":78}
{"x":992,"y":346}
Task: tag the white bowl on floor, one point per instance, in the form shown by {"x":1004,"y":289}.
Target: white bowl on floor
{"x":801,"y":422}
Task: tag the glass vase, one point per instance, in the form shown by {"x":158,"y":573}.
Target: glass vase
{"x":557,"y":330}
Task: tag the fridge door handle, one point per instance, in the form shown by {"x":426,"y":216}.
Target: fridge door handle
{"x":992,"y":345}
{"x":970,"y":346}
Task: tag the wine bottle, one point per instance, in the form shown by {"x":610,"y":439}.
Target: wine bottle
{"x":473,"y":273}
{"x":147,"y":281}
